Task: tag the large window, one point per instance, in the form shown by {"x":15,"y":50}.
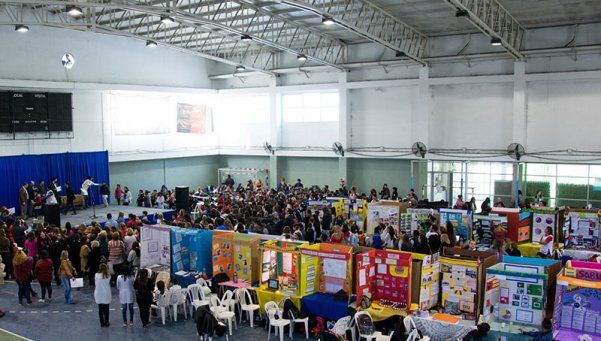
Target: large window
{"x":310,"y":107}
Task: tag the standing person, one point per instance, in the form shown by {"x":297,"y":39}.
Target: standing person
{"x":125,"y":285}
{"x":94,"y":260}
{"x":546,"y":243}
{"x":133,"y":257}
{"x":22,"y":266}
{"x":70,"y":198}
{"x":31,"y":195}
{"x":102,"y":294}
{"x":85,"y":189}
{"x":144,"y":286}
{"x":23,"y":200}
{"x":31,"y":246}
{"x":459,"y":203}
{"x":116,"y":256}
{"x":105,"y":191}
{"x":499,"y":233}
{"x":126,"y":196}
{"x":376,"y":239}
{"x":84,"y":256}
{"x":66,"y":271}
{"x":43,"y":272}
{"x":5,"y":253}
{"x":451,"y":232}
{"x":118,"y":194}
{"x":485,"y":207}
{"x":326,"y":222}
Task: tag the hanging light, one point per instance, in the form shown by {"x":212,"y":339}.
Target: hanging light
{"x":495,"y":41}
{"x":151,"y":43}
{"x":301,"y":58}
{"x":74,"y":11}
{"x":327,"y":21}
{"x":167,"y":20}
{"x":22,"y":28}
{"x":246,"y":37}
{"x":240,"y":68}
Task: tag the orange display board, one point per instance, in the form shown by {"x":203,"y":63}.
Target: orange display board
{"x":236,"y":253}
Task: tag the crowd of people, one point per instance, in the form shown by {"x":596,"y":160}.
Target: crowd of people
{"x":109,"y":255}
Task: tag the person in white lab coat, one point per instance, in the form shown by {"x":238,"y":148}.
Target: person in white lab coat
{"x":127,"y":295}
{"x":102,"y":294}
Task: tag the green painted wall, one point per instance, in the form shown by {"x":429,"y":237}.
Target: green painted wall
{"x":371,"y":173}
{"x":312,"y":170}
{"x":202,"y":171}
{"x":151,"y":174}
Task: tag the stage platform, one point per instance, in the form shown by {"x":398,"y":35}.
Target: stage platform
{"x":86,"y":216}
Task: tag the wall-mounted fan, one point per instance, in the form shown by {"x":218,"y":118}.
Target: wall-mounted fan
{"x":419,"y":149}
{"x":516,"y":151}
{"x":338,"y":149}
{"x":268,"y":148}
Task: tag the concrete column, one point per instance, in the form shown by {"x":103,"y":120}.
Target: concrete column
{"x":344,"y":124}
{"x":520,"y":115}
{"x":273,"y":171}
{"x":274,"y":130}
{"x":421,"y":116}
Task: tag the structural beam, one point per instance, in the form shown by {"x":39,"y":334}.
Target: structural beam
{"x":369,"y":21}
{"x":490,"y":17}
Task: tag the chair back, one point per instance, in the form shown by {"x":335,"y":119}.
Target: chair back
{"x":272,"y":310}
{"x":164,"y":300}
{"x":164,"y":276}
{"x":228,"y":297}
{"x":214,"y":301}
{"x":175,"y":293}
{"x":202,"y":282}
{"x":194,"y":291}
{"x":364,"y":323}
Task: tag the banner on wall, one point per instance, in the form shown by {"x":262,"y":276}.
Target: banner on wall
{"x":191,"y":118}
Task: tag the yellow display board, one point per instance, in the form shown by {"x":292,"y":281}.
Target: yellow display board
{"x":236,"y":253}
{"x":425,"y":279}
{"x":326,"y":268}
{"x":280,"y":260}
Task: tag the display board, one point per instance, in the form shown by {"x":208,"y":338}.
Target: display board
{"x":386,"y":277}
{"x":463,"y":280}
{"x":419,"y":216}
{"x":578,"y":304}
{"x":425,"y":280}
{"x":387,"y":212}
{"x":335,"y":267}
{"x":584,"y":230}
{"x":35,"y":112}
{"x":155,"y":246}
{"x":521,"y":293}
{"x":191,"y":250}
{"x":236,"y":253}
{"x":280,"y":261}
{"x":223,"y":253}
{"x":461,"y":220}
{"x":540,"y":222}
{"x":483,"y":225}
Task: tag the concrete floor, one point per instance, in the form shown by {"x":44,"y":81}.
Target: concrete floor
{"x":59,"y":321}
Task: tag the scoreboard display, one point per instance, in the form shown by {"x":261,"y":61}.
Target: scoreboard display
{"x":22,"y":112}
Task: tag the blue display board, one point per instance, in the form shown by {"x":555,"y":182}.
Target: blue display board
{"x":191,"y":250}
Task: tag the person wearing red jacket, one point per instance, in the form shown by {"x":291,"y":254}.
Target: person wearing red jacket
{"x":44,"y":270}
{"x":22,"y":266}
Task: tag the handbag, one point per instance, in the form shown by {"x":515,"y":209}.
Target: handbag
{"x":76,"y":282}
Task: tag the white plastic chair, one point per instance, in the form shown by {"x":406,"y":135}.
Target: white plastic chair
{"x":246,"y":305}
{"x":204,"y":285}
{"x":221,"y":312}
{"x":229,"y":300}
{"x":275,"y":320}
{"x":412,"y":332}
{"x":177,"y":299}
{"x":163,"y":305}
{"x":364,"y":322}
{"x":196,"y":298}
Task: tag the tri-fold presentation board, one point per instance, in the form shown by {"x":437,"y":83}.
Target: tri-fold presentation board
{"x":236,"y":253}
{"x":461,"y":220}
{"x":463,"y":280}
{"x":578,"y":302}
{"x":280,"y":260}
{"x":385,"y":277}
{"x":483,"y":225}
{"x":326,"y":268}
{"x":425,"y":279}
{"x":191,"y":250}
{"x":155,"y":246}
{"x":385,"y":211}
{"x":518,"y":290}
{"x":583,"y":230}
{"x":545,"y":217}
{"x":518,"y":223}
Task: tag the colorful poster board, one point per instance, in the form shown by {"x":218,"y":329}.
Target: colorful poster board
{"x":461,"y":220}
{"x":280,"y":260}
{"x":419,"y":216}
{"x":578,"y":304}
{"x":385,"y":276}
{"x":191,"y":250}
{"x":236,"y":253}
{"x":155,"y":246}
{"x":540,"y":222}
{"x":223,"y":253}
{"x":584,"y":229}
{"x":425,"y":280}
{"x":334,"y":265}
{"x":382,"y":212}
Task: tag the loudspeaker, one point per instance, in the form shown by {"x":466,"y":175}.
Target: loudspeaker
{"x":52,"y":214}
{"x":182,"y":197}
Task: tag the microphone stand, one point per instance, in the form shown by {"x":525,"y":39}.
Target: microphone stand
{"x":93,"y":216}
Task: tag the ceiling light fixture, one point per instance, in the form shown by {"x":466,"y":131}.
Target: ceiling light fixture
{"x":151,"y":43}
{"x":400,"y":54}
{"x":240,"y":68}
{"x":246,"y":37}
{"x":495,"y":41}
{"x":74,"y":11}
{"x":165,"y":19}
{"x":461,"y":13}
{"x":301,"y":58}
{"x":21,"y":28}
{"x":327,"y":21}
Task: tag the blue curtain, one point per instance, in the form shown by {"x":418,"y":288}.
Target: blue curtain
{"x":72,"y":167}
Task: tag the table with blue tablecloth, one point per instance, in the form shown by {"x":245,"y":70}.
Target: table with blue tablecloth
{"x":324,"y":305}
{"x":184,"y":280}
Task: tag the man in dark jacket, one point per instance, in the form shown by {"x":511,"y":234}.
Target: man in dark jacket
{"x":70,"y":198}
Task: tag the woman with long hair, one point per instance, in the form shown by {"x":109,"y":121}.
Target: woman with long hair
{"x":22,"y":266}
{"x":144,"y":286}
{"x":125,"y":285}
{"x":102,"y":294}
{"x":66,"y":271}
